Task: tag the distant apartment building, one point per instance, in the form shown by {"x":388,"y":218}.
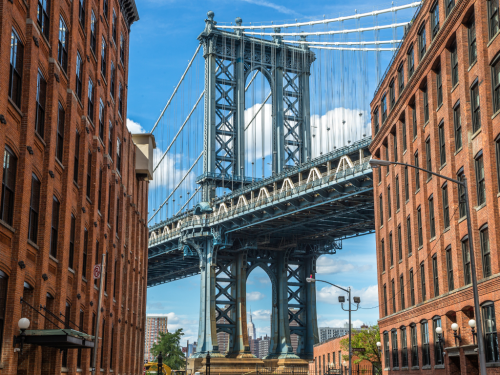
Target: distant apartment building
{"x":154,"y":325}
{"x":326,"y":333}
{"x":223,"y":337}
{"x":260,"y":347}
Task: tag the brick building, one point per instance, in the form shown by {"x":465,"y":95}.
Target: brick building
{"x":154,"y":325}
{"x":329,"y":354}
{"x":71,"y":189}
{"x":437,"y":108}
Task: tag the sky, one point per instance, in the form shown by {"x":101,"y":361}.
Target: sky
{"x":161,"y":44}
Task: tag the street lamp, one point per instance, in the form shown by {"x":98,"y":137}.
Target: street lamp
{"x":23,"y":325}
{"x":439,"y":332}
{"x":472,"y":325}
{"x":376,"y":163}
{"x":357,"y":301}
{"x":454,"y":327}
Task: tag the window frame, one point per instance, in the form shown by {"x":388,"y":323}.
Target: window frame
{"x":493,"y":27}
{"x":62,"y":42}
{"x":93,"y":37}
{"x":438,"y":350}
{"x":490,"y":332}
{"x":449,"y":268}
{"x":414,"y":344}
{"x":408,"y":236}
{"x":435,"y":275}
{"x":422,"y":42}
{"x":424,"y":330}
{"x":432,"y":217}
{"x":446,"y":206}
{"x":395,"y":350}
{"x":54,"y":232}
{"x":401,"y":78}
{"x":435,"y":17}
{"x":34,"y":208}
{"x":8,"y":186}
{"x":475,"y":106}
{"x":422,"y":281}
{"x":412,"y":288}
{"x":466,"y":260}
{"x":43,"y":17}
{"x":454,"y":64}
{"x":41,"y":102}
{"x":61,"y":117}
{"x":439,"y":87}
{"x":411,"y":61}
{"x":442,"y":143}
{"x":16,"y":68}
{"x":419,"y":226}
{"x":485,"y":250}
{"x":480,"y":178}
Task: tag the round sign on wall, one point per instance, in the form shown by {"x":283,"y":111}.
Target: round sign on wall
{"x":97,"y":271}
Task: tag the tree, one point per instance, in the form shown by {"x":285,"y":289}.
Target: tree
{"x":169,"y":346}
{"x":367,"y":339}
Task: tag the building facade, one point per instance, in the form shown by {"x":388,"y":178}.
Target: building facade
{"x":154,"y":325}
{"x":259,"y":347}
{"x":70,"y":188}
{"x":326,"y":333}
{"x":437,"y":108}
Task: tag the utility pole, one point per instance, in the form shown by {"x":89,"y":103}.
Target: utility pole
{"x":98,"y":320}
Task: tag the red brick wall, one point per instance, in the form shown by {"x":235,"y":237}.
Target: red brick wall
{"x":125,"y":241}
{"x":450,"y":305}
{"x":324,"y":354}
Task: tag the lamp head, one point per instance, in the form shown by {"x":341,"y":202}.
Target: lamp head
{"x":379,"y":344}
{"x":341,"y":299}
{"x":310,"y":279}
{"x":439,"y":330}
{"x":472,"y":323}
{"x":375,"y":163}
{"x":454,"y":327}
{"x":23,"y":323}
{"x":357,"y":299}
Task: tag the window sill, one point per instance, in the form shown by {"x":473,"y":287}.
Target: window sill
{"x":478,"y":208}
{"x":400,"y":261}
{"x":426,"y":123}
{"x":439,"y":107}
{"x":104,"y":79}
{"x":33,"y":244}
{"x":410,"y":255}
{"x":493,"y":364}
{"x":493,"y":39}
{"x":404,"y":369}
{"x":64,"y":370}
{"x":60,"y":164}
{"x":471,"y":66}
{"x":71,"y":270}
{"x":391,"y":267}
{"x":53,"y":258}
{"x":415,"y":368}
{"x":432,"y":239}
{"x":109,"y":226}
{"x":454,"y":87}
{"x":99,"y":213}
{"x":397,"y":211}
{"x":414,"y":139}
{"x":395,"y":368}
{"x":456,"y":152}
{"x":441,"y":167}
{"x":77,"y":186}
{"x":420,"y":247}
{"x":438,"y":366}
{"x":15,"y":107}
{"x":462,"y":219}
{"x":404,"y":152}
{"x":88,"y":199}
{"x":496,"y":114}
{"x":426,"y":367}
{"x":418,"y":190}
{"x":476,"y":134}
{"x":95,"y":287}
{"x":446,"y":230}
{"x":84,"y":279}
{"x":7,"y":226}
{"x":429,"y":179}
{"x":407,"y":201}
{"x":40,"y":138}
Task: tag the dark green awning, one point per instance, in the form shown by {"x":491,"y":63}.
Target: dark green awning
{"x":59,"y":338}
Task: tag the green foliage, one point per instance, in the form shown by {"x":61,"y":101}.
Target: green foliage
{"x":367,"y":339}
{"x":169,"y":346}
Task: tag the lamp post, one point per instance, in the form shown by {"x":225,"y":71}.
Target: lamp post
{"x":379,"y":347}
{"x":23,"y":325}
{"x":439,"y":332}
{"x":472,"y":325}
{"x":456,"y":335}
{"x":376,"y":163}
{"x":357,"y":300}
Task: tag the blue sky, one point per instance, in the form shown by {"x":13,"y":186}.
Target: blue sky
{"x":161,"y":44}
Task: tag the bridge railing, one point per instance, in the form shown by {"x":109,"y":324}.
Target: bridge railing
{"x":160,"y":235}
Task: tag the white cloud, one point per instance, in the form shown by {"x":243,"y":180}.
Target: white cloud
{"x":261,"y":315}
{"x":268,"y":4}
{"x":174,"y":322}
{"x":134,"y":127}
{"x":255,"y":296}
{"x":329,"y":265}
{"x":368,"y":295}
{"x":339,"y":323}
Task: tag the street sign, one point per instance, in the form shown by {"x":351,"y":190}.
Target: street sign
{"x":97,"y":271}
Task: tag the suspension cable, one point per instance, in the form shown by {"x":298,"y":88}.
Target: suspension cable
{"x":343,"y":43}
{"x":355,"y":49}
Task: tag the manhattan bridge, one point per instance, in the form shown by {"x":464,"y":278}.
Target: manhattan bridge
{"x":262,"y":161}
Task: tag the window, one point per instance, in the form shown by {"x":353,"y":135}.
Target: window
{"x":90,"y":109}
{"x":81,"y":12}
{"x":383,"y":105}
{"x":85,"y":252}
{"x":93,"y":37}
{"x":435,"y":20}
{"x":475,"y":106}
{"x":120,"y":100}
{"x":122,"y":49}
{"x":428,"y":157}
{"x":393,"y":296}
{"x":99,"y":194}
{"x":89,"y":174}
{"x":391,"y":252}
{"x":101,"y":119}
{"x":490,"y":332}
{"x":414,"y":121}
{"x":439,"y":86}
{"x":422,"y":281}
{"x":395,"y":353}
{"x":34,"y":209}
{"x":77,"y":157}
{"x":114,"y":280}
{"x":401,"y":78}
{"x":426,"y":358}
{"x":495,"y":73}
{"x":414,"y":345}
{"x":385,"y":300}
{"x":16,"y":68}
{"x":485,"y":252}
{"x":96,"y":257}
{"x":432,"y":219}
{"x":426,"y":105}
{"x":461,"y":194}
{"x":3,"y":302}
{"x":112,"y":81}
{"x":411,"y":61}
{"x":454,"y":64}
{"x":412,"y":289}
{"x":103,"y":57}
{"x":60,"y":132}
{"x":403,"y":128}
{"x":407,"y":185}
{"x":55,"y":227}
{"x":493,"y":17}
{"x":402,"y":291}
{"x":422,"y":43}
{"x":442,"y":144}
{"x":383,"y":255}
{"x":110,"y":140}
{"x":109,"y":204}
{"x":79,"y":70}
{"x":72,"y":241}
{"x":387,"y":156}
{"x":118,"y":155}
{"x":111,"y":346}
{"x":379,"y":175}
{"x":450,"y":4}
{"x":105,"y":8}
{"x":392,"y":94}
{"x":457,"y":124}
{"x":449,"y":267}
{"x":389,"y":201}
{"x":481,"y":188}
{"x":117,"y":215}
{"x":8,"y":185}
{"x":62,"y":50}
{"x":375,"y":120}
{"x":472,"y":41}
{"x":446,"y":207}
{"x":435,"y":275}
{"x":114,"y":26}
{"x":404,"y":348}
{"x":408,"y":235}
{"x":397,"y":193}
{"x":419,"y":222}
{"x":438,"y":351}
{"x":400,"y":245}
{"x":43,"y":18}
{"x":41,"y":92}
{"x":395,"y":138}
{"x":386,"y":350}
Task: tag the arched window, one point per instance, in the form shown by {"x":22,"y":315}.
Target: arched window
{"x":490,"y":332}
{"x":404,"y":348}
{"x":414,"y":344}
{"x":426,"y":355}
{"x":387,"y":363}
{"x":395,"y":352}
